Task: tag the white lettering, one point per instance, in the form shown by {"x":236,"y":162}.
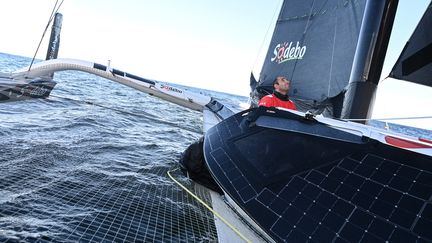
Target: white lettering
{"x":275,"y":52}
{"x":285,"y":52}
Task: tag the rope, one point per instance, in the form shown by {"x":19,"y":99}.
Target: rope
{"x":53,"y":12}
{"x":208,"y":207}
{"x":266,"y":36}
{"x":394,"y":118}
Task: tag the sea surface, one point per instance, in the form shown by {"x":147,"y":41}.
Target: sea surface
{"x":89,"y":164}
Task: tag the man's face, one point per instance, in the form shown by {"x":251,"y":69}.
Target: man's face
{"x":282,"y":86}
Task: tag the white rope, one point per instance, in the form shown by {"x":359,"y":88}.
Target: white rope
{"x":393,"y":118}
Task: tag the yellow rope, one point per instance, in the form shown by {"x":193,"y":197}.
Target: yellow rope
{"x":208,"y":207}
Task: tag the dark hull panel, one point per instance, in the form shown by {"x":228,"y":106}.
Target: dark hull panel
{"x":12,"y":90}
{"x":301,"y":180}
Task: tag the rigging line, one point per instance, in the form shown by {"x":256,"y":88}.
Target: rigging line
{"x":392,"y":118}
{"x":307,"y":27}
{"x":53,"y":12}
{"x":266,"y":36}
{"x":208,"y":207}
{"x":143,"y":114}
{"x":332,"y":58}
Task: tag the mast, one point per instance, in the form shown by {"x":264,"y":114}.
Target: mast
{"x":369,"y":58}
{"x":54,"y":42}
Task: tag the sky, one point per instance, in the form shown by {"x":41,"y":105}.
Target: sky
{"x":206,"y":44}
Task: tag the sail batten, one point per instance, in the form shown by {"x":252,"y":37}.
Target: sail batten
{"x":417,"y":61}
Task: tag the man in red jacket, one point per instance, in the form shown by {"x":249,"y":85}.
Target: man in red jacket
{"x":279,"y":98}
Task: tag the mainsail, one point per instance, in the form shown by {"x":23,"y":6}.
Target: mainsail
{"x":415,"y":61}
{"x":313,"y":45}
{"x":332,"y":51}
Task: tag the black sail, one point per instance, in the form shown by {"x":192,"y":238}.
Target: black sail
{"x":415,"y":62}
{"x":313,"y":45}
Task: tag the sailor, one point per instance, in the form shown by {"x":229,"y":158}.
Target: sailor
{"x":279,"y":98}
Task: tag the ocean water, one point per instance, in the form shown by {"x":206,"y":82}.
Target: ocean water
{"x":89,"y":164}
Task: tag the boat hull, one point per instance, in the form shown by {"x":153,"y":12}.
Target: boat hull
{"x":300,"y":179}
{"x":28,"y":88}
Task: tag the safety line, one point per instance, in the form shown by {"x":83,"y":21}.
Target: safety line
{"x":54,"y":11}
{"x":208,"y":207}
{"x":389,"y":119}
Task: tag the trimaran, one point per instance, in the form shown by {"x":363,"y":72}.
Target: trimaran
{"x":307,"y":175}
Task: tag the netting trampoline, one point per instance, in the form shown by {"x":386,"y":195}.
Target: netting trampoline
{"x":97,"y":207}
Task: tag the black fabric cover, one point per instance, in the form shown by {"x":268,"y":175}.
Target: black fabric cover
{"x":415,"y":62}
{"x":193,"y":165}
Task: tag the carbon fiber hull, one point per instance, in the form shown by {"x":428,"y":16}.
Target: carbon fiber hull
{"x":306,"y":180}
{"x":22,"y":89}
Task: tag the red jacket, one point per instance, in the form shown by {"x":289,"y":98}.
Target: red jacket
{"x":273,"y":101}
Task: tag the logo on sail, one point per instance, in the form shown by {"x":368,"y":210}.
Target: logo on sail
{"x":287,"y":51}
